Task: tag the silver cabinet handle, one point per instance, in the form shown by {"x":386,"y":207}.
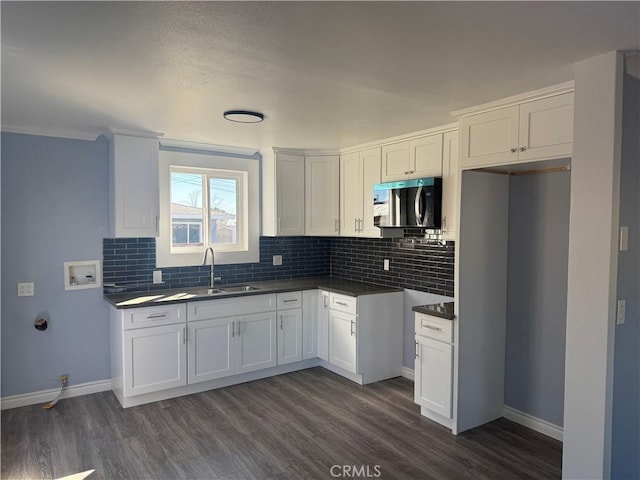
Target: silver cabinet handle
{"x":522,"y":149}
{"x":342,"y":303}
{"x":325,"y":299}
{"x":431,"y":327}
{"x":355,"y":224}
{"x":360,"y":225}
{"x":514,"y":150}
{"x":417,"y":350}
{"x":239,"y":327}
{"x":290,"y":300}
{"x":233,"y":329}
{"x":184,"y":335}
{"x":352,"y":322}
{"x":444,"y":224}
{"x":157,"y":225}
{"x":281,"y":322}
{"x":159,"y":315}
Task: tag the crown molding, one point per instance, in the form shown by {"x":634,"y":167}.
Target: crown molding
{"x":208,"y":147}
{"x":90,"y":135}
{"x":111,"y":131}
{"x":449,"y":127}
{"x":305,"y":151}
{"x":551,"y":91}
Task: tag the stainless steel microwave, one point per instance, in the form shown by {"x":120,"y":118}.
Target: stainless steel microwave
{"x":408,"y":203}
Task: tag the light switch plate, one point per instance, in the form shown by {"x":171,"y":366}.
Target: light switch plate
{"x":277,"y":259}
{"x":25,"y":289}
{"x":157,"y":276}
{"x":386,"y":264}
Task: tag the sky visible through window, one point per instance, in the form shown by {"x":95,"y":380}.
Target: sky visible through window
{"x":186,"y":189}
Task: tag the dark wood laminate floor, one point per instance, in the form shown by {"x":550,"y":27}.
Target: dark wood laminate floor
{"x":294,"y":426}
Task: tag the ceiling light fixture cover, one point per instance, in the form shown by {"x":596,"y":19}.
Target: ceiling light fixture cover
{"x":243,"y":116}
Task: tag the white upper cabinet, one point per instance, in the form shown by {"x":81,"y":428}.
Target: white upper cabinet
{"x":537,"y":130}
{"x":283,"y":197}
{"x":134,"y":198}
{"x":359,"y":172}
{"x":417,"y":158}
{"x":546,"y":128}
{"x":450,"y":185}
{"x":322,"y":195}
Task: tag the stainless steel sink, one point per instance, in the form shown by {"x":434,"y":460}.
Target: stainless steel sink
{"x":201,"y":291}
{"x":238,"y":289}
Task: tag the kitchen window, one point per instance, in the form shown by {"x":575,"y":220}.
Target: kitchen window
{"x":207,"y":200}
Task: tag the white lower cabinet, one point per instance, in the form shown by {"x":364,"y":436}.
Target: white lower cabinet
{"x":155,"y":359}
{"x":342,"y":340}
{"x":309,"y":324}
{"x":433,"y":383}
{"x":211,"y":349}
{"x":323,"y":324}
{"x":289,"y":336}
{"x":365,"y":335}
{"x":255,"y":342}
{"x":433,"y":370}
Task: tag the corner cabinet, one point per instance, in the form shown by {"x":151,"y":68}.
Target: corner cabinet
{"x":359,"y":172}
{"x":134,"y":199}
{"x":322,"y":195}
{"x":283,"y":193}
{"x":539,"y":129}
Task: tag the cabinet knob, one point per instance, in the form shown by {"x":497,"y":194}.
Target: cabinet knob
{"x":514,"y":150}
{"x":522,"y":149}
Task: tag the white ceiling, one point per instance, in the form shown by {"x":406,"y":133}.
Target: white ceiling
{"x":325,"y":74}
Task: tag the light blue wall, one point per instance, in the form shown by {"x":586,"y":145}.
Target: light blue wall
{"x":54,"y":209}
{"x":537,"y":294}
{"x":625,"y":461}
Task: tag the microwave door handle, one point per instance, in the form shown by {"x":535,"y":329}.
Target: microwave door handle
{"x":418,"y":207}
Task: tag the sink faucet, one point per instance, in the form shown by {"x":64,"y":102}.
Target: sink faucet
{"x":204,"y":262}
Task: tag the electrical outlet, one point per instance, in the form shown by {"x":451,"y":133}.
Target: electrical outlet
{"x":277,"y":259}
{"x":622,"y":307}
{"x":386,"y":264}
{"x":157,"y":276}
{"x":25,"y":289}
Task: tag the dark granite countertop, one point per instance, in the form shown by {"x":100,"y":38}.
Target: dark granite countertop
{"x":191,"y":294}
{"x":442,"y":310}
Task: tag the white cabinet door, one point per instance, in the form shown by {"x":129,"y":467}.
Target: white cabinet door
{"x":433,"y":375}
{"x":290,"y":194}
{"x":426,"y":156}
{"x":134,"y":186}
{"x":342,"y":340}
{"x":309,"y":324}
{"x":351,"y":183}
{"x":289,"y":336}
{"x":450,"y":185}
{"x":155,"y":359}
{"x":396,"y":161}
{"x":546,"y":128}
{"x":490,"y":138}
{"x":322,"y":195}
{"x":370,"y":161}
{"x":323,"y":325}
{"x":255,"y":342}
{"x":211,"y":349}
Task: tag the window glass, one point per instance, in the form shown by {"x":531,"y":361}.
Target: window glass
{"x":223,"y":204}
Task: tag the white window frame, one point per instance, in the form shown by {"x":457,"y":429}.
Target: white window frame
{"x":187,"y":223}
{"x":246,"y":168}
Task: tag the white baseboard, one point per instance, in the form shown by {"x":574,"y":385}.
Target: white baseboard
{"x":542,"y":426}
{"x":44,"y":396}
{"x":408,"y":373}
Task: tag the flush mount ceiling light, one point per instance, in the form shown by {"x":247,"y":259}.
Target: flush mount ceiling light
{"x":243,"y":116}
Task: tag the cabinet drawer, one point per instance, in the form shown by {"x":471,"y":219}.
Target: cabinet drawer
{"x":231,"y":307}
{"x":434,"y":327}
{"x":343,"y":303}
{"x":289,"y":300}
{"x":154,"y":316}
